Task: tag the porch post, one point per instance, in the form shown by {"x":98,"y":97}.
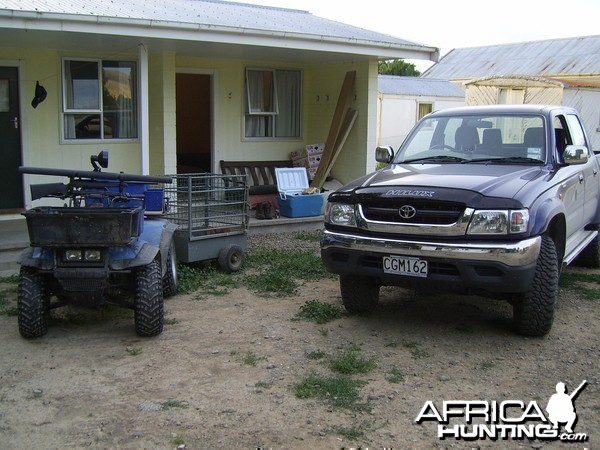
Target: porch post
{"x":143,"y":109}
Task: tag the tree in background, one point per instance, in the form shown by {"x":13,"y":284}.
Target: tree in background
{"x":398,"y":67}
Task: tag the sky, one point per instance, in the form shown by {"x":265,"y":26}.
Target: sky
{"x":449,"y":24}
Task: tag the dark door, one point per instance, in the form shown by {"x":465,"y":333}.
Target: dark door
{"x":194,"y":123}
{"x":11,"y":185}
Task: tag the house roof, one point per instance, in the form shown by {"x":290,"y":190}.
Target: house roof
{"x":206,"y":21}
{"x":393,"y":84}
{"x":556,"y":57}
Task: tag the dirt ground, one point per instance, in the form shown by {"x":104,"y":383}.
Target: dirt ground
{"x":98,"y":385}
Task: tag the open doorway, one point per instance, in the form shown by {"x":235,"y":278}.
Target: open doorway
{"x":194,"y":123}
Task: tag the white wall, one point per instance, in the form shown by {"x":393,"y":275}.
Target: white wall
{"x":587,"y":102}
{"x":398,"y":115}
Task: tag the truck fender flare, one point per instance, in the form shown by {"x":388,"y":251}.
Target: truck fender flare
{"x":548,"y":210}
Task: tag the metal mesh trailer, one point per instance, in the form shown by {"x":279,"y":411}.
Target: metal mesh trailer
{"x":212,"y":214}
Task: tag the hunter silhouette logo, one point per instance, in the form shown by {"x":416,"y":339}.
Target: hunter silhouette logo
{"x":509,"y":419}
{"x":560,"y":406}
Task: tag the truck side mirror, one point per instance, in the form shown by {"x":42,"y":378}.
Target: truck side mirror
{"x":575,"y":154}
{"x":384,"y":154}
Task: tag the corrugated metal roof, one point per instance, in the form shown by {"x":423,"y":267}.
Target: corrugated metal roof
{"x":207,"y":14}
{"x":393,"y":84}
{"x":556,"y":57}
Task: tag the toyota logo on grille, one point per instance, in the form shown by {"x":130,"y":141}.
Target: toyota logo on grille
{"x":407,"y":212}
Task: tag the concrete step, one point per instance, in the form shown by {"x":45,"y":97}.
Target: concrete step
{"x":13,"y":239}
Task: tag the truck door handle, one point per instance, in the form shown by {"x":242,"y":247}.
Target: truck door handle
{"x":581,"y":178}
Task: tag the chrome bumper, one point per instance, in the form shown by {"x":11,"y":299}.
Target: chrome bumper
{"x":513,"y":254}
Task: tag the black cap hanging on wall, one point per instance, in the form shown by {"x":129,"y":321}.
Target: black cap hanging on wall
{"x":40,"y":94}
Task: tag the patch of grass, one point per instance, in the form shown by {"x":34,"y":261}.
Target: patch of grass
{"x":589,"y":293}
{"x":251,"y":359}
{"x":339,"y":391}
{"x":13,"y":279}
{"x":319,"y":312}
{"x":350,"y":361}
{"x":409,"y":344}
{"x":309,"y":236}
{"x":315,"y":355}
{"x":263,"y":385}
{"x":178,"y":441}
{"x":134,"y":351}
{"x":419,"y":353}
{"x":209,"y":280}
{"x":170,"y":404}
{"x":395,"y":376}
{"x":352,"y":433}
{"x":570,"y":279}
{"x":276,"y":271}
{"x":171,"y":321}
{"x":487,"y":365}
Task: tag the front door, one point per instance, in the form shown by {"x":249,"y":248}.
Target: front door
{"x":11,"y":185}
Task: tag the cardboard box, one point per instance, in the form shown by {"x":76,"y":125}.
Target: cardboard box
{"x":291,"y":182}
{"x":311,"y":149}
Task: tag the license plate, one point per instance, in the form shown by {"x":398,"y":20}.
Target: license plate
{"x":402,"y":265}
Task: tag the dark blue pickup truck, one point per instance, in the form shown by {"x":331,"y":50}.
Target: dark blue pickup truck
{"x":491,"y":200}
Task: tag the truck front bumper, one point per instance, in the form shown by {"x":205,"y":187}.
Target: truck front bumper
{"x":491,"y":267}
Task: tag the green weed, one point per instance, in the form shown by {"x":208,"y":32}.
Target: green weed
{"x":339,"y":391}
{"x":319,"y":312}
{"x":170,"y":404}
{"x":251,"y":359}
{"x":315,"y":355}
{"x":395,"y":376}
{"x":350,"y":361}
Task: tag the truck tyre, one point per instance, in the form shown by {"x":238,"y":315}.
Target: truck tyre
{"x":590,"y":256}
{"x":148,"y":302}
{"x":33,"y":305}
{"x":534,"y":311}
{"x":360,"y":294}
{"x":231,"y":258}
{"x":169,"y":281}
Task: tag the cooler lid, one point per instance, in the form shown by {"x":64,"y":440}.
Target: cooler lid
{"x":291,"y":180}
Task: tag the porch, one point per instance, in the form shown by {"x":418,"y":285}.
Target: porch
{"x":13,"y":230}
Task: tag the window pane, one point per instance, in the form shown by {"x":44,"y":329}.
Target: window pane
{"x":4,"y":98}
{"x":82,"y":85}
{"x":82,"y":126}
{"x":259,"y":126}
{"x":287,"y":122}
{"x":262,"y":97}
{"x":119,"y":99}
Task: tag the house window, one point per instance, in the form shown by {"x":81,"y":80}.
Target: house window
{"x":273,"y":103}
{"x":99,"y":99}
{"x":424,"y":109}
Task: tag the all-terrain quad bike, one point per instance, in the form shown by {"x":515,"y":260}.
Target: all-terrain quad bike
{"x":98,"y":246}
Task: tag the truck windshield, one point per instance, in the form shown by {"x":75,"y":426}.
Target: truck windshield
{"x":506,"y":139}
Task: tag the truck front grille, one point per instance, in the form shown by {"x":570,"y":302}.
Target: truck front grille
{"x":413,"y":211}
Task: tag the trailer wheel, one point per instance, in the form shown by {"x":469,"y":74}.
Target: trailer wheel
{"x":533,"y":311}
{"x":33,"y":305}
{"x":231,"y":258}
{"x":360,"y":294}
{"x":148,"y":303}
{"x":169,"y":280}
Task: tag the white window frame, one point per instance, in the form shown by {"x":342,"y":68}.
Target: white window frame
{"x":67,"y":111}
{"x":272,"y":115}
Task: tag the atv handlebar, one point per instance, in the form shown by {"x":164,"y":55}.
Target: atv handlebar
{"x":95,"y":175}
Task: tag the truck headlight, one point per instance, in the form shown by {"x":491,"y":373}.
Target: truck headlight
{"x":83,"y":255}
{"x":73,"y":255}
{"x":499,"y":221}
{"x":341,"y":214}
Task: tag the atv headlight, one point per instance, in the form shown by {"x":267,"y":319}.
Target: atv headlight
{"x":73,"y":255}
{"x":93,"y":255}
{"x":340,"y":214}
{"x":499,"y":222}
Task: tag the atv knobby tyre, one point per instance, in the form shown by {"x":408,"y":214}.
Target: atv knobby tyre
{"x":148,"y":301}
{"x":360,"y":294}
{"x":533,"y":311}
{"x":33,"y":304}
{"x":169,"y":281}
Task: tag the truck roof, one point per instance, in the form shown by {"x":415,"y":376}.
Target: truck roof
{"x":502,"y":109}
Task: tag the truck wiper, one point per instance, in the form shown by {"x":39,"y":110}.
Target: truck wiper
{"x":509,"y":159}
{"x":439,"y":158}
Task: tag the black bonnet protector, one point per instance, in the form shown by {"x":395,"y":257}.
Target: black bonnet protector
{"x":394,"y":194}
